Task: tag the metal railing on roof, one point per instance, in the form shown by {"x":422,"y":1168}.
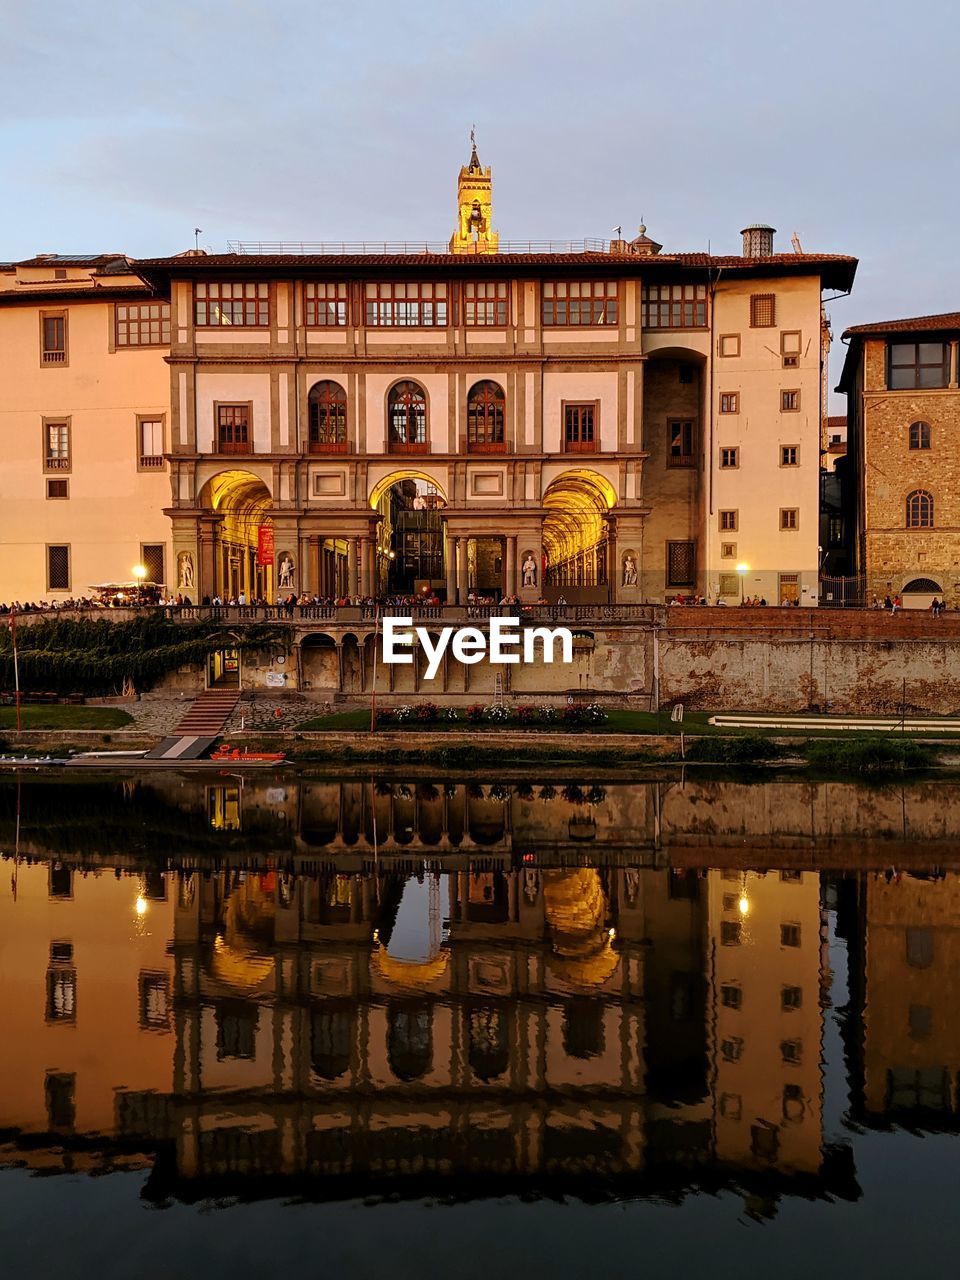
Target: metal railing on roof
{"x":324,"y":247}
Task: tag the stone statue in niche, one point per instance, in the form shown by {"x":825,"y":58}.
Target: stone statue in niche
{"x":186,"y":578}
{"x":629,"y":571}
{"x":286,"y":571}
{"x":529,"y":570}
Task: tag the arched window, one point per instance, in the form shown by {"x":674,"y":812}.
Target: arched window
{"x":919,"y":509}
{"x":919,"y":435}
{"x":486,"y":411}
{"x":489,"y":1048}
{"x":407,"y":418}
{"x":331,"y":1039}
{"x":409,"y":1041}
{"x":327,"y":411}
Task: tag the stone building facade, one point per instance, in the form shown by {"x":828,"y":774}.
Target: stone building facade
{"x":605,"y":422}
{"x":903,"y":396}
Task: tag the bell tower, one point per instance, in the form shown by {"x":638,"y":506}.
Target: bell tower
{"x":474,"y":233}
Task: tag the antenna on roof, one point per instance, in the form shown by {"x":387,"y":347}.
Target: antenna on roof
{"x":197,"y":233}
{"x":795,"y":241}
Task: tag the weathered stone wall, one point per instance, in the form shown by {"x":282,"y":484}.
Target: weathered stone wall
{"x":791,"y":660}
{"x":895,"y":554}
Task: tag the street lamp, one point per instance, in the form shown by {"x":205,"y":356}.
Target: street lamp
{"x":742,"y":571}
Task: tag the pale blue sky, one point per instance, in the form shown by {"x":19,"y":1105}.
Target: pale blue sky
{"x":124,"y":125}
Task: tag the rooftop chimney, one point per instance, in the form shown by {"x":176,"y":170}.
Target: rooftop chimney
{"x":758,"y":240}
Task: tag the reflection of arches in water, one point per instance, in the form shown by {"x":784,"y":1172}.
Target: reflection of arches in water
{"x":331,"y":1038}
{"x":320,"y":813}
{"x":486,"y":820}
{"x":575,"y":908}
{"x":489,"y":1050}
{"x":410,"y":1040}
{"x":583,"y":1028}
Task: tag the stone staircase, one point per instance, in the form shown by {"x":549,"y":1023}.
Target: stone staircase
{"x":208,"y":714}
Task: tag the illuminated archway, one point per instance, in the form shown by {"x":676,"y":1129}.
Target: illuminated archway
{"x":242,"y":502}
{"x":410,"y":535}
{"x":576,"y":505}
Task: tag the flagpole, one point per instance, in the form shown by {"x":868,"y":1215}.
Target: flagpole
{"x":16,"y":665}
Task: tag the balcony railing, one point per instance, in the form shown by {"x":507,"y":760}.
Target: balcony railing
{"x":408,"y":446}
{"x":151,"y":461}
{"x":57,"y":464}
{"x":327,"y":446}
{"x":54,"y":357}
{"x":234,"y":446}
{"x":326,"y":247}
{"x":486,"y":446}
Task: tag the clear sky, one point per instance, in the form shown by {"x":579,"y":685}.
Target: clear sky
{"x":125,"y":125}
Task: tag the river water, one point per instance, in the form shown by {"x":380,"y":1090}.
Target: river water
{"x":417,"y":1027}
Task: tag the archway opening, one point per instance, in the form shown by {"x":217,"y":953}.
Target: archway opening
{"x":410,"y":539}
{"x":242,"y":503}
{"x":575,"y":534}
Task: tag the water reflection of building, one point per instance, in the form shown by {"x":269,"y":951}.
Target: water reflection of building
{"x":904,"y":1035}
{"x":87,"y":999}
{"x":564,"y":1022}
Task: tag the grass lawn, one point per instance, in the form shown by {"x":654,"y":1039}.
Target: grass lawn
{"x":64,"y":717}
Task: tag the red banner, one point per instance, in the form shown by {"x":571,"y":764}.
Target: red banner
{"x":265,"y":547}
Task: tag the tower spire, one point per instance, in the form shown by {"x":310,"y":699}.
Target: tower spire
{"x":474,"y":207}
{"x":474,"y":165}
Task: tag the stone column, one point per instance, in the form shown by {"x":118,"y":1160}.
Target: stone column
{"x":352,"y":566}
{"x":614,"y":567}
{"x":450,"y":559}
{"x":511,"y":565}
{"x":461,"y":544}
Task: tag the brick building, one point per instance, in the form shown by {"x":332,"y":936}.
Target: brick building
{"x":903,"y":412}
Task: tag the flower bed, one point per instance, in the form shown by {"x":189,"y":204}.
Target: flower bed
{"x":485,"y":715}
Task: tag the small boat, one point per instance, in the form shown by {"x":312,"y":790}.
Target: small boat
{"x":241,"y":755}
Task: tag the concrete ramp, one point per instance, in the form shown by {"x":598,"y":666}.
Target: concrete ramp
{"x":187,"y":746}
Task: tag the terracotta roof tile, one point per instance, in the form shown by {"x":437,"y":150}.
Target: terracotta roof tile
{"x":919,"y":324}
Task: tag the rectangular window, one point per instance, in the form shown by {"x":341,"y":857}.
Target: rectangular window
{"x":579,"y":303}
{"x":325,"y":305}
{"x":789,"y":455}
{"x":150,"y":438}
{"x":729,"y":402}
{"x":730,"y":931}
{"x":674,"y":306}
{"x":241,"y":304}
{"x":835,"y":531}
{"x":233,"y":428}
{"x":729,"y":344}
{"x":731,"y":997}
{"x":58,"y":489}
{"x":143,"y":324}
{"x":579,"y":421}
{"x":485,"y":304}
{"x":917,"y":364}
{"x":763,"y":311}
{"x":59,"y":1089}
{"x":791,"y":1052}
{"x":731,"y":1048}
{"x":53,"y":337}
{"x":155,"y":1002}
{"x":680,"y":452}
{"x":61,"y":995}
{"x":152,"y":559}
{"x":729,"y":458}
{"x":790,"y":344}
{"x":789,"y":518}
{"x":728,"y":550}
{"x":729,"y":521}
{"x":406,"y":306}
{"x":789,"y":401}
{"x":58,"y":568}
{"x":56,"y":447}
{"x":789,"y":935}
{"x":681,"y":564}
{"x":791,"y":998}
